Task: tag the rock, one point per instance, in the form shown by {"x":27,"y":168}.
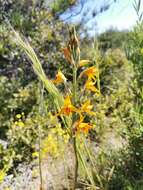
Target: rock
{"x":3,"y":143}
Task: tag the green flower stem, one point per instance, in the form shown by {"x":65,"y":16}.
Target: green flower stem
{"x":88,"y":172}
{"x":92,"y":162}
{"x":41,"y":112}
{"x":40,"y":159}
{"x":73,"y":120}
{"x":76,"y":163}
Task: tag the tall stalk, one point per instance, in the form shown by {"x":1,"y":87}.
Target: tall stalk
{"x":40,"y":159}
{"x":72,"y":124}
{"x":73,"y":120}
{"x":41,"y":112}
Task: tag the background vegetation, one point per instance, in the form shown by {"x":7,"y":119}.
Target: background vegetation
{"x":118,"y":134}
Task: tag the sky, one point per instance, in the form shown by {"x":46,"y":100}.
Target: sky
{"x":121,"y":15}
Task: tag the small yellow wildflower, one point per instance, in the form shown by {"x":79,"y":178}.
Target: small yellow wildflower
{"x":2,"y":175}
{"x":20,"y":124}
{"x":22,"y":113}
{"x":18,"y":116}
{"x":90,"y":85}
{"x":60,"y":131}
{"x":68,"y":108}
{"x":60,"y":78}
{"x":66,"y":138}
{"x":49,"y":145}
{"x":35,"y":154}
{"x":90,"y":72}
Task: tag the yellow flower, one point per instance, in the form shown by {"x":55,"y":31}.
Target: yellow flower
{"x":83,"y":62}
{"x":81,"y":126}
{"x":68,"y":108}
{"x":90,"y":85}
{"x":90,"y":72}
{"x":18,"y":116}
{"x":59,"y":131}
{"x":2,"y":175}
{"x":60,"y":78}
{"x":49,"y":145}
{"x":87,"y":107}
{"x":35,"y":154}
{"x":66,"y":138}
{"x":20,"y":124}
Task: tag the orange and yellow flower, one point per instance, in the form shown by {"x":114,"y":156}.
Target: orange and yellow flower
{"x":90,"y":72}
{"x":90,"y":85}
{"x":87,"y":107}
{"x":60,"y":78}
{"x":81,"y":126}
{"x":67,"y":108}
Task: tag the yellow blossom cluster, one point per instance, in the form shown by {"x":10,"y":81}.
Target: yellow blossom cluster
{"x":49,"y":145}
{"x":54,"y":143}
{"x":19,"y":121}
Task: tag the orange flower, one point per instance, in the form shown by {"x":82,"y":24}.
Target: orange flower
{"x":90,"y":85}
{"x":87,"y":107}
{"x":67,"y":108}
{"x":60,"y":78}
{"x":81,"y":126}
{"x":67,"y":54}
{"x":90,"y":72}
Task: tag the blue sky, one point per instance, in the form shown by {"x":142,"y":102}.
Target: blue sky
{"x":120,"y":15}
